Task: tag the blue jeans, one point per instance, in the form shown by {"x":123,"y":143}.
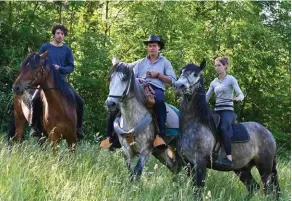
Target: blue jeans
{"x":160,"y":109}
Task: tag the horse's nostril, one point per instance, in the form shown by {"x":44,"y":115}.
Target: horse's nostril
{"x":182,"y":86}
{"x":110,"y":103}
{"x":16,"y":88}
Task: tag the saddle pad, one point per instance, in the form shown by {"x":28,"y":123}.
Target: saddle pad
{"x":240,"y":134}
{"x":172,"y":120}
{"x":172,"y":116}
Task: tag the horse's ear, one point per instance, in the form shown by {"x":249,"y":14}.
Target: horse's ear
{"x":203,"y":64}
{"x":45,"y":54}
{"x":115,"y":61}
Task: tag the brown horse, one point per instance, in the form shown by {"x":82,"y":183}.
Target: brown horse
{"x":59,"y":104}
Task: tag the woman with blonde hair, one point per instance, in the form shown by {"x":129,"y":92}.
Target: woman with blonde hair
{"x":224,"y":86}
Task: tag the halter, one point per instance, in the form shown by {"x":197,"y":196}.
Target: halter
{"x":126,"y":91}
{"x":191,"y":85}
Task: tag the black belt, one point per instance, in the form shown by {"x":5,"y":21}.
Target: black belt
{"x":223,"y":106}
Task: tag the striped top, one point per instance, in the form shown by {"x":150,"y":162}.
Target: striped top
{"x":224,"y":91}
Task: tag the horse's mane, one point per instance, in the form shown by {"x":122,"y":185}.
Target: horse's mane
{"x":120,"y":67}
{"x":60,"y":84}
{"x":201,"y":108}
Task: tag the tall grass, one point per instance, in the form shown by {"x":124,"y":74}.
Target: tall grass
{"x":28,"y":172}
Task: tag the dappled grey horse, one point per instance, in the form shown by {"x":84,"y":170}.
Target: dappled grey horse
{"x":135,"y":129}
{"x":196,"y":141}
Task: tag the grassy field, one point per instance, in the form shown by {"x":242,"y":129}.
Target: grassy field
{"x":28,"y":172}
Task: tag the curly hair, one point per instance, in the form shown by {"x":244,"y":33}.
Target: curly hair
{"x":61,"y":27}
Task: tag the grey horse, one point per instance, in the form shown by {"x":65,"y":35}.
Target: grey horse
{"x":196,"y":141}
{"x":135,"y":129}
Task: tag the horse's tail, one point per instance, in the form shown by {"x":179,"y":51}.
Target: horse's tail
{"x":274,"y":178}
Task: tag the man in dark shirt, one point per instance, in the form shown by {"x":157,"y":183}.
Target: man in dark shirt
{"x":61,"y":57}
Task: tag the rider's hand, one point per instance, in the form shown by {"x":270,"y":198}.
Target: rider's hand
{"x":237,"y":99}
{"x":56,"y":66}
{"x":153,"y":74}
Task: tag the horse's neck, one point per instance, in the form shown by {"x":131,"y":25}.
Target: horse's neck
{"x":52,"y":94}
{"x":188,"y":110}
{"x":132,"y":110}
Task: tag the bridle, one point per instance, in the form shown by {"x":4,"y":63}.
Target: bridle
{"x":191,"y":85}
{"x":126,"y":91}
{"x":40,"y":72}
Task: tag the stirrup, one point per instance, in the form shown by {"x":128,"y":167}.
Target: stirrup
{"x":106,"y":144}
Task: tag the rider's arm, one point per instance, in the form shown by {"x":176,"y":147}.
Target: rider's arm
{"x":237,"y":89}
{"x":210,"y":92}
{"x":69,"y":68}
{"x":169,"y":76}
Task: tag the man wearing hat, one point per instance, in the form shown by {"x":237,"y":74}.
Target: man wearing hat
{"x":156,"y":70}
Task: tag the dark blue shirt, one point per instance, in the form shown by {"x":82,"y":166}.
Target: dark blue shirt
{"x":62,"y":56}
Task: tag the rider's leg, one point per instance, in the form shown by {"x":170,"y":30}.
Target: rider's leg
{"x":112,"y":139}
{"x":79,"y":110}
{"x":225,"y":128}
{"x":160,"y":112}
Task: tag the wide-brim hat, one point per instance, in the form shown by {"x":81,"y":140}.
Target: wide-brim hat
{"x":154,"y":39}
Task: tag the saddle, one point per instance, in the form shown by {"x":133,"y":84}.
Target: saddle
{"x":149,"y":95}
{"x":240,"y":134}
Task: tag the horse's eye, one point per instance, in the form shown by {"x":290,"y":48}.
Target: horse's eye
{"x":124,"y":78}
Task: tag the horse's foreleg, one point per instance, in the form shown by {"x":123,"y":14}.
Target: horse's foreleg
{"x":128,"y":153}
{"x":199,"y":170}
{"x":143,"y":158}
{"x":173,"y":164}
{"x":72,"y":140}
{"x":20,"y":122}
{"x":54,"y":136}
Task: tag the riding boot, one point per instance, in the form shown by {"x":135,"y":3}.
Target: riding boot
{"x":159,"y":143}
{"x":105,"y":144}
{"x":225,"y":161}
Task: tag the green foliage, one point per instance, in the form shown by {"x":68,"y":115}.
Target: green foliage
{"x":255,"y":35}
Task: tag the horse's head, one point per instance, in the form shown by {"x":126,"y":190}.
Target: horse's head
{"x":120,"y":83}
{"x":189,"y":80}
{"x":32,"y":72}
